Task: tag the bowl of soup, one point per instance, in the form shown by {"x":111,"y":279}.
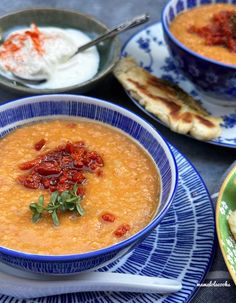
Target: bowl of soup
{"x":40,"y":43}
{"x":83,"y":181}
{"x":200,"y":39}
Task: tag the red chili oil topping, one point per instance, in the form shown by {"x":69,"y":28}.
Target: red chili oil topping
{"x":40,"y":144}
{"x":61,"y":168}
{"x":221,"y":30}
{"x":122,"y":230}
{"x":108,"y":217}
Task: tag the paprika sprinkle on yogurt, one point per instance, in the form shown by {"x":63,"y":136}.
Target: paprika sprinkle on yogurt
{"x":16,"y":42}
{"x":47,"y":52}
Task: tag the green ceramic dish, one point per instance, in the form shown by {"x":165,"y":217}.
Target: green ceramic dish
{"x":109,"y":50}
{"x":226,"y":203}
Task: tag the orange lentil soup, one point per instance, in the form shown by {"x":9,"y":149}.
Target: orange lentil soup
{"x":119,"y":198}
{"x":200,"y":17}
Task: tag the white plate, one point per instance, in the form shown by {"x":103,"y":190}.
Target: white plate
{"x":182,"y":248}
{"x":150,"y":51}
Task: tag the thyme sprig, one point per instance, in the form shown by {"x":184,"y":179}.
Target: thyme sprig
{"x":68,"y":200}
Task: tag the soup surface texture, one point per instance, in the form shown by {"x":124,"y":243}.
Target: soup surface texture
{"x":127,"y":190}
{"x":200,"y":17}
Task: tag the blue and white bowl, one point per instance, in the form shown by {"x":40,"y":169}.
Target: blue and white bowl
{"x":20,"y":112}
{"x":216,"y":81}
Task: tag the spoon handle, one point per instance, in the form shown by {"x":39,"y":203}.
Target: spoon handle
{"x":115,"y":31}
{"x":32,"y":287}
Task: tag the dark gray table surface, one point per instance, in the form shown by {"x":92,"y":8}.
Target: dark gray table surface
{"x":211,"y":161}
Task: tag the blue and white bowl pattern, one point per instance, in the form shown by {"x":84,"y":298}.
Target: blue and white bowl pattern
{"x":17,"y":113}
{"x":215,"y":80}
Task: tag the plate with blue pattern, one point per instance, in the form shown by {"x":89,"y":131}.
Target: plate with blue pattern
{"x":182,"y":247}
{"x":148,"y":48}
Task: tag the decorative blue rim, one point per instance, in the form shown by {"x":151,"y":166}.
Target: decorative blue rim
{"x":166,"y":29}
{"x":142,"y":108}
{"x":215,"y":235}
{"x":121,"y":244}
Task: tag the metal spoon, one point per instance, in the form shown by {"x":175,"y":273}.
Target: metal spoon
{"x":113,"y":32}
{"x":109,"y":34}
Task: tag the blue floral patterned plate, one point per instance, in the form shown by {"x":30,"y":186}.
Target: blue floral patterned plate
{"x":182,"y":247}
{"x":150,"y":51}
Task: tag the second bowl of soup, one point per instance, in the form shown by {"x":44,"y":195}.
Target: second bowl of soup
{"x":201,"y":41}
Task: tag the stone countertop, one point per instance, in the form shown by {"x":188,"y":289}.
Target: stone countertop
{"x":211,"y":161}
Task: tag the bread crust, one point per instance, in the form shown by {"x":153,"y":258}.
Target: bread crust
{"x":173,"y":106}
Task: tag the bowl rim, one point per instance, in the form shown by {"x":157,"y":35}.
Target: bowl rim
{"x":139,"y":235}
{"x":182,"y":46}
{"x":98,"y":76}
{"x":217,"y":220}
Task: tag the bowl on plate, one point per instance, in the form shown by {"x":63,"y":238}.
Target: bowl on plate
{"x":108,"y":51}
{"x":19,"y":112}
{"x":216,"y":81}
{"x":226,"y":204}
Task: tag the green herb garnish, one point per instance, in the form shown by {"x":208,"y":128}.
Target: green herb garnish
{"x":68,"y":200}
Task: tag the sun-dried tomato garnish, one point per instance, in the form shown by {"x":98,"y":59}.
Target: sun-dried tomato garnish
{"x":220,"y":31}
{"x":61,"y":168}
{"x":48,"y":168}
{"x":39,"y":145}
{"x":69,"y":147}
{"x":108,"y":217}
{"x":78,"y":177}
{"x":29,"y":164}
{"x":81,"y":191}
{"x":30,"y":181}
{"x":122,"y":230}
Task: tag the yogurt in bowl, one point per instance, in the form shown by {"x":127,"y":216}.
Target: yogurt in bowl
{"x":71,"y":23}
{"x":47,"y":52}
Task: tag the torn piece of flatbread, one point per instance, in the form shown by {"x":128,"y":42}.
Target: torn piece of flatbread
{"x":167,"y":101}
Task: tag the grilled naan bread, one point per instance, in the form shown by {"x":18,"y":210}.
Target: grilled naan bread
{"x":167,"y":101}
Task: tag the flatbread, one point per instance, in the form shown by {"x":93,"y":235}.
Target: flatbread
{"x":167,"y":101}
